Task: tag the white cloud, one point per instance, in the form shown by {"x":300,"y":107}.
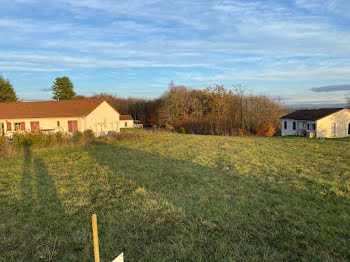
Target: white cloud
{"x":216,"y":40}
{"x":338,"y":7}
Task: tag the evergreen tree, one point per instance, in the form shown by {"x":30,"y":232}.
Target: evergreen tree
{"x":7,"y":93}
{"x":62,"y":89}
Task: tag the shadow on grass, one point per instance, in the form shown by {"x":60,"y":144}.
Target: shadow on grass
{"x":219,"y":215}
{"x":156,"y":208}
{"x":39,"y":215}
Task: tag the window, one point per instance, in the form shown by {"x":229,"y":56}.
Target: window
{"x":126,"y":124}
{"x":308,"y":126}
{"x":349,"y":129}
{"x":58,"y":123}
{"x":313,"y":126}
{"x":20,"y":126}
{"x":17,"y":126}
{"x":294,"y":125}
{"x":285,"y":124}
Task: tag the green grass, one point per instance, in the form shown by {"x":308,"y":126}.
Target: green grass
{"x":125,"y":130}
{"x":171,"y":197}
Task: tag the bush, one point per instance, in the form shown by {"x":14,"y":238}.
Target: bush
{"x":27,"y":141}
{"x":89,"y":135}
{"x":32,"y":139}
{"x":77,"y":136}
{"x":169,"y":127}
{"x":3,"y":146}
{"x":60,"y":138}
{"x":241,"y":132}
{"x":266,"y":130}
{"x":182,"y":130}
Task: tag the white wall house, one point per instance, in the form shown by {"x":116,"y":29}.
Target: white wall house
{"x":126,"y":121}
{"x":59,"y":116}
{"x":323,"y":122}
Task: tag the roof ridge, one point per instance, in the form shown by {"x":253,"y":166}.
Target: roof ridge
{"x":55,"y":101}
{"x":43,"y":109}
{"x":312,"y":114}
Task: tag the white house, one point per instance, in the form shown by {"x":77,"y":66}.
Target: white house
{"x":126,"y":121}
{"x":323,"y":122}
{"x":67,"y":116}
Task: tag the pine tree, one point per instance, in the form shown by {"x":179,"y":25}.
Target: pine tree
{"x":62,"y":89}
{"x":7,"y":93}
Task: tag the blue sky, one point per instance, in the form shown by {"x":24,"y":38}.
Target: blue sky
{"x":298,"y":49}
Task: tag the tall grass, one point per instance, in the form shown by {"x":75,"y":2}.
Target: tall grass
{"x":39,"y":141}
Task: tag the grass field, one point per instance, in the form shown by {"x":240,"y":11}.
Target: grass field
{"x":171,"y":197}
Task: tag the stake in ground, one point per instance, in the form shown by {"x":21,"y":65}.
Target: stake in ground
{"x":167,"y":197}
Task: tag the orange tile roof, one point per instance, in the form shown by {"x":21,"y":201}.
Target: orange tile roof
{"x":66,"y":108}
{"x":126,"y":117}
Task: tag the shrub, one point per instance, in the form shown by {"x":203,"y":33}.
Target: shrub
{"x":60,"y":138}
{"x":182,"y":130}
{"x":3,"y":146}
{"x":266,"y":130}
{"x":33,"y":139}
{"x":89,"y":135}
{"x":169,"y":127}
{"x":241,"y":132}
{"x":77,"y":136}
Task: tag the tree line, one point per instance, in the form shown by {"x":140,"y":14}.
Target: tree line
{"x":213,"y":110}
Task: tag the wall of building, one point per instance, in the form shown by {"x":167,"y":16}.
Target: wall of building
{"x":126,"y":123}
{"x":44,"y":123}
{"x":300,"y":125}
{"x":289,"y":130}
{"x":340,"y":118}
{"x":103,"y":119}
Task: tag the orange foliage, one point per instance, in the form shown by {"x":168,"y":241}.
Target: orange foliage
{"x":169,"y":127}
{"x":266,"y":130}
{"x":240,"y":132}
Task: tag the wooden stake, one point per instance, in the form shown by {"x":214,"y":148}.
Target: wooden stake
{"x":95,"y":237}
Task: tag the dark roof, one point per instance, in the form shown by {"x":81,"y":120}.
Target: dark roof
{"x":126,"y":117}
{"x":311,"y":114}
{"x":66,"y":108}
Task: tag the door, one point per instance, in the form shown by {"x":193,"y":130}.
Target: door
{"x":334,"y":130}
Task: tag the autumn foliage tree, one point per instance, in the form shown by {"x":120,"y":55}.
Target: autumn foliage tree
{"x":211,"y":111}
{"x":266,"y":129}
{"x":219,"y":111}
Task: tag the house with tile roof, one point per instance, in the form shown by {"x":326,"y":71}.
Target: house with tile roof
{"x":126,"y":121}
{"x":67,"y":116}
{"x":322,"y":122}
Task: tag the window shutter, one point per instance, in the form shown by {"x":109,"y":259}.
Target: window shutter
{"x":23,"y":126}
{"x":9,"y":126}
{"x":70,"y":126}
{"x":34,"y":126}
{"x":75,"y":126}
